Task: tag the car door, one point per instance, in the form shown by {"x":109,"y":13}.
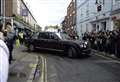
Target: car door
{"x":43,"y":40}
{"x":34,"y":40}
{"x":54,"y":41}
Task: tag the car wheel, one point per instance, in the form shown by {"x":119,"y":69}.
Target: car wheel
{"x":31,"y":48}
{"x":72,"y":52}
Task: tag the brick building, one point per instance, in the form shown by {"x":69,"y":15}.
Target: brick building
{"x":70,"y":20}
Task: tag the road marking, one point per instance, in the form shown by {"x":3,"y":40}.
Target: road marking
{"x":42,"y":70}
{"x":33,"y":66}
{"x":43,"y":77}
{"x":115,"y":61}
{"x":45,"y":70}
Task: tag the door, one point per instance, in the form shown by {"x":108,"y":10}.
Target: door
{"x":43,"y":40}
{"x":103,"y":26}
{"x":54,"y":41}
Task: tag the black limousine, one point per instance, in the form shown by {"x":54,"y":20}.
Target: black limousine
{"x":58,"y":42}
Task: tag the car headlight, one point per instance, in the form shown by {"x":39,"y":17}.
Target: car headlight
{"x":85,"y":43}
{"x":82,"y":45}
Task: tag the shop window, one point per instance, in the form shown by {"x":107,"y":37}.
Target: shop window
{"x":117,"y":1}
{"x":117,"y":24}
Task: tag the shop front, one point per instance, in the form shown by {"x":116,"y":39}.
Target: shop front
{"x":116,"y":21}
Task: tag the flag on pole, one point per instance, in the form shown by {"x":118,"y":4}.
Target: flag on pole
{"x":24,"y":12}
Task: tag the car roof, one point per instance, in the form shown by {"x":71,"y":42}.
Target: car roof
{"x":57,"y":33}
{"x":46,"y":32}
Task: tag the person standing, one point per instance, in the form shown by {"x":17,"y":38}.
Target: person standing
{"x":9,"y":39}
{"x":21,"y":37}
{"x":4,"y":57}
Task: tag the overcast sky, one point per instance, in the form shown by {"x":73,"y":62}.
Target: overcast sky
{"x":48,"y":12}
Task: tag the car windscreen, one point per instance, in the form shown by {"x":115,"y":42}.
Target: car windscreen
{"x":64,"y":36}
{"x":35,"y":35}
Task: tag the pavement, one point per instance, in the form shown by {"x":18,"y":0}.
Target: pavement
{"x":23,"y":68}
{"x":106,"y":54}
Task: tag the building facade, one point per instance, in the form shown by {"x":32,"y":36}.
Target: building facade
{"x":95,"y":15}
{"x":69,"y":21}
{"x":64,"y":24}
{"x":19,"y":9}
{"x":115,"y":14}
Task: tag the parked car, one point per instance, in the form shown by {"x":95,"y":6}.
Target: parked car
{"x":58,"y":42}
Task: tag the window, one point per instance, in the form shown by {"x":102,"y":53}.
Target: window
{"x":35,"y":36}
{"x":81,"y":13}
{"x":73,"y":0}
{"x":43,"y":36}
{"x":117,"y":1}
{"x":99,"y":2}
{"x":99,"y":8}
{"x":87,"y":10}
{"x":74,"y":12}
{"x":103,"y":2}
{"x":86,"y":27}
{"x":53,"y":36}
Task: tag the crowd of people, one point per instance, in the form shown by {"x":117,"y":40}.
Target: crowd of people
{"x":105,"y":41}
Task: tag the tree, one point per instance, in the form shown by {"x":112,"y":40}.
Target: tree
{"x":52,"y":27}
{"x":38,"y":28}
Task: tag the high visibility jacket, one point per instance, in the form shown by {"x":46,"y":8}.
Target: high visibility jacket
{"x":21,"y":35}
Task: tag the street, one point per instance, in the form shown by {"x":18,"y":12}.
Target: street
{"x":95,"y":68}
{"x":85,"y":32}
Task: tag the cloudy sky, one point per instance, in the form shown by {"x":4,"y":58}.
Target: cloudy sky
{"x":48,"y":12}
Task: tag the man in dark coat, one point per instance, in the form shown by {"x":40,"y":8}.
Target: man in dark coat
{"x":9,"y":39}
{"x":117,"y":43}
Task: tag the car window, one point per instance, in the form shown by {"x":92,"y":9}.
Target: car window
{"x":53,"y":36}
{"x":35,"y":36}
{"x":65,"y":36}
{"x":43,"y":36}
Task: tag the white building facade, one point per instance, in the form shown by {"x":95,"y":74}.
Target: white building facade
{"x":96,"y":15}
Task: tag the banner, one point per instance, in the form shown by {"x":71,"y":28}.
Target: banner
{"x":24,"y":12}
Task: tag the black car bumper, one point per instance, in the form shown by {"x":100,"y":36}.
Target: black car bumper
{"x":85,"y":51}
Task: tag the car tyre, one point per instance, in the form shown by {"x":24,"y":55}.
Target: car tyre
{"x":72,"y":52}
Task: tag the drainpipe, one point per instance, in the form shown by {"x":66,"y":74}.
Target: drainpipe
{"x":0,"y":10}
{"x":3,"y":14}
{"x":112,"y":24}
